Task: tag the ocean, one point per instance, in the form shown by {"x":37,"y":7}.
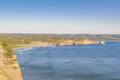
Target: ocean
{"x":70,"y":62}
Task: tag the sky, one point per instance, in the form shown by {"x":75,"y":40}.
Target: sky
{"x":60,"y":16}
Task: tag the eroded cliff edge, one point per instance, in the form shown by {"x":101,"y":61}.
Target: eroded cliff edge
{"x":9,"y":68}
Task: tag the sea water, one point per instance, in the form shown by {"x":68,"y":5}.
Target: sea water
{"x":73,"y":62}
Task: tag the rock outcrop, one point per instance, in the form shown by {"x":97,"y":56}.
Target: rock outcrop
{"x":9,"y":68}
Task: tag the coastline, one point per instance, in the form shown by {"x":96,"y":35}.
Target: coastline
{"x":37,"y":44}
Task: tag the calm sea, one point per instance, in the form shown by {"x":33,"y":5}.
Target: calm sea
{"x":80,"y":62}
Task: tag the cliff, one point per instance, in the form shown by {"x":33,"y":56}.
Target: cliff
{"x":66,"y":42}
{"x":9,"y":68}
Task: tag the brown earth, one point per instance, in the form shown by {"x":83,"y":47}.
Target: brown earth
{"x":9,"y":68}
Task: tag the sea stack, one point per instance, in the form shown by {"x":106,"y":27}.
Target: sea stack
{"x":101,"y":42}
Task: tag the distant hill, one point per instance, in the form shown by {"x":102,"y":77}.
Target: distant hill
{"x":16,"y":39}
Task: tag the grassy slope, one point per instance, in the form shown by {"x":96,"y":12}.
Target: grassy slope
{"x":9,"y":69}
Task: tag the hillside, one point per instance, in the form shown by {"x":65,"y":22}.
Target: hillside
{"x":16,"y":40}
{"x":9,"y":69}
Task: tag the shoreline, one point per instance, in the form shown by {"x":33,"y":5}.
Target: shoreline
{"x":46,"y":45}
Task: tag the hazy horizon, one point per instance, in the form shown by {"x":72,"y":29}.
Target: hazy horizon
{"x":67,"y":33}
{"x":60,"y":16}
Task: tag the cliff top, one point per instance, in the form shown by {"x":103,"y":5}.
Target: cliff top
{"x":9,"y":69}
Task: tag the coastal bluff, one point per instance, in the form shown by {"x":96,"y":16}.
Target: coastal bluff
{"x":9,"y":68}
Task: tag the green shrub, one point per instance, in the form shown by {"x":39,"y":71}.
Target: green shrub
{"x":8,"y":52}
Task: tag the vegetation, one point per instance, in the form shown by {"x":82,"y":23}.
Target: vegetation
{"x":8,"y":63}
{"x":15,"y":39}
{"x":8,"y":52}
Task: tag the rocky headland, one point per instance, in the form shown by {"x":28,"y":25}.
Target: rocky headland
{"x":67,"y":42}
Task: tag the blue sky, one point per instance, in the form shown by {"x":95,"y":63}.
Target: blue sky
{"x":60,"y":16}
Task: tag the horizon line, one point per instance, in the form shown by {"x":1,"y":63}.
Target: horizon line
{"x":65,"y":33}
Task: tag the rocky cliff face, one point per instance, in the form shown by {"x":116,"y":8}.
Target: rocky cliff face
{"x":9,"y":68}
